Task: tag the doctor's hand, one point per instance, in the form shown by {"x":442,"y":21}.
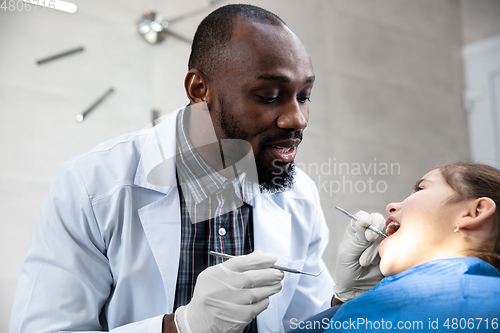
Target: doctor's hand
{"x":228,"y":296}
{"x":357,"y":269}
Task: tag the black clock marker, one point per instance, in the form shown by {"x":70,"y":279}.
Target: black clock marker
{"x":80,"y":116}
{"x":60,"y":55}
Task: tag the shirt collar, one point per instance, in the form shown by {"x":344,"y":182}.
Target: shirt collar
{"x":200,"y":180}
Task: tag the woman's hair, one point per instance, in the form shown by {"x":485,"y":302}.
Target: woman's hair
{"x":472,"y":181}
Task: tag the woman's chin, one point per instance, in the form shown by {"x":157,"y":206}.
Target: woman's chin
{"x":386,"y":268}
{"x":385,"y":272}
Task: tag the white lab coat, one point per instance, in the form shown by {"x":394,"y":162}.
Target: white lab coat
{"x":105,"y":248}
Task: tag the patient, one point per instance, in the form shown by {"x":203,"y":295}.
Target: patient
{"x":441,"y":259}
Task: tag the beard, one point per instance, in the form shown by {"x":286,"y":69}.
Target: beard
{"x":275,"y":178}
{"x":275,"y":181}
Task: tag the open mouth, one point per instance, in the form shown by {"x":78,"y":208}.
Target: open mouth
{"x":283,"y":150}
{"x":392,"y":227}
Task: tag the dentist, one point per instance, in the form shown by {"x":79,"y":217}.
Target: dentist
{"x":123,"y":238}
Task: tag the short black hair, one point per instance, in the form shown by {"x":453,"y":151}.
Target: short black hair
{"x":215,"y":31}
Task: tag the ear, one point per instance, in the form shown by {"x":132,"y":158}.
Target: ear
{"x":478,"y":213}
{"x":196,"y":85}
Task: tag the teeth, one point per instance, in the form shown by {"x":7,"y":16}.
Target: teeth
{"x":283,"y":150}
{"x":392,"y":228}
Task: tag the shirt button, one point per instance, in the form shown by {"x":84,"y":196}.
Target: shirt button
{"x":222,"y":231}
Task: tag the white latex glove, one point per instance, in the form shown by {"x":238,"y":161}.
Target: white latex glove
{"x":357,"y":269}
{"x":228,"y":296}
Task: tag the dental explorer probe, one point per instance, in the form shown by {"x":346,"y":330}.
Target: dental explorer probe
{"x":375,"y":230}
{"x":281,"y":268}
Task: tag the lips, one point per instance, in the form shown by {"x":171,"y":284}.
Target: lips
{"x":286,"y":150}
{"x":391,"y":226}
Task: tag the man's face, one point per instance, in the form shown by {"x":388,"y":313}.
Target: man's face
{"x":262,"y":95}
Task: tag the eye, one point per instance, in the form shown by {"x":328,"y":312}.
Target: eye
{"x":417,"y":188}
{"x":303,"y":99}
{"x":269,"y":100}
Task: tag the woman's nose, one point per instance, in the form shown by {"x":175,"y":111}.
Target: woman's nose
{"x":393,"y":208}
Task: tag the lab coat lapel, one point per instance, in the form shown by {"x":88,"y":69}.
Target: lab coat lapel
{"x":161,"y":221}
{"x":272,"y":232}
{"x":156,"y":169}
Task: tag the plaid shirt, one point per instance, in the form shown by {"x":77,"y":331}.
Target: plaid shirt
{"x":215,"y":215}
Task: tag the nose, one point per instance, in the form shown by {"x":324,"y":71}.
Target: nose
{"x":294,"y":116}
{"x":393,"y":208}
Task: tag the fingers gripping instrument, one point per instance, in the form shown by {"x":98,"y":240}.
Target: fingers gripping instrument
{"x":356,"y":267}
{"x":229,"y":295}
{"x":375,"y":230}
{"x":281,"y":268}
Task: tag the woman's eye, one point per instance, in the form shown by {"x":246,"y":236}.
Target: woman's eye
{"x":417,"y":188}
